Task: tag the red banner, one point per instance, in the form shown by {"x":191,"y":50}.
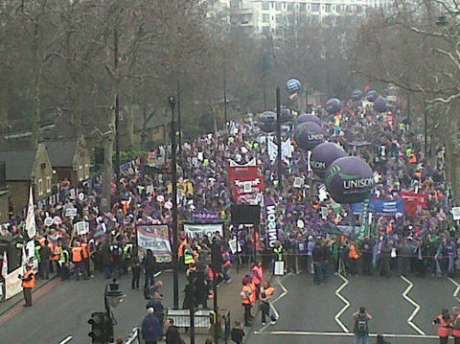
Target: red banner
{"x":414,"y":202}
{"x":246,"y":182}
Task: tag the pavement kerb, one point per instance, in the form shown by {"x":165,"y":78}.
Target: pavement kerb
{"x":8,"y":307}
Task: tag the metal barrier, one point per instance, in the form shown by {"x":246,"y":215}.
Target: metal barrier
{"x":134,"y":337}
{"x":181,"y":317}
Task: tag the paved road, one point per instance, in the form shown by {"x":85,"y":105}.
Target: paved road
{"x":308,"y":311}
{"x":66,"y":309}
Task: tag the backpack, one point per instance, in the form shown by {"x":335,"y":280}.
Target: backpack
{"x":361,"y":324}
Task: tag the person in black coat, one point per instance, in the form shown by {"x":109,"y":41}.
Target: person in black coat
{"x":172,"y":333}
{"x":149,"y":264}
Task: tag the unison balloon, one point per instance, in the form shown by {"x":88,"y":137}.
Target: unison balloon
{"x":267,"y":121}
{"x":293,"y":86}
{"x":380,"y":104}
{"x":357,"y":95}
{"x":286,"y":115}
{"x":349,"y":180}
{"x":333,"y":105}
{"x":308,"y":135}
{"x":372,"y":95}
{"x":323,"y":155}
{"x":308,"y":117}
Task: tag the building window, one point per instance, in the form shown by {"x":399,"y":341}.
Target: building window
{"x":265,"y":6}
{"x":278,"y":6}
{"x":40,"y":187}
{"x":290,"y":7}
{"x":279,"y":18}
{"x":358,"y":9}
{"x":48,"y":185}
{"x":315,"y":7}
{"x":303,"y":7}
{"x":265,"y":18}
{"x":327,"y":8}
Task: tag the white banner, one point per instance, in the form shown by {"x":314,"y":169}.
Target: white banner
{"x":13,"y":284}
{"x":198,"y":230}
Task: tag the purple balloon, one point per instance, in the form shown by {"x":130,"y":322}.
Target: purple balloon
{"x":349,"y":180}
{"x":372,"y":95}
{"x":380,"y":104}
{"x":308,"y":135}
{"x":323,"y":155}
{"x":308,"y":117}
{"x":333,"y":105}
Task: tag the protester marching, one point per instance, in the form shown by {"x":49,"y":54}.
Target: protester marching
{"x":391,"y":217}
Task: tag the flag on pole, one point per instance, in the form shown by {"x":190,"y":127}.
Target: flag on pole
{"x":30,"y":219}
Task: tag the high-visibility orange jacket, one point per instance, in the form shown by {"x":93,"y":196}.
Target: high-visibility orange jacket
{"x":28,"y":281}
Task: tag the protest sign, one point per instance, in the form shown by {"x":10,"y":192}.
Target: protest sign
{"x":71,"y":212}
{"x":456,"y":213}
{"x":154,"y":238}
{"x":81,"y":228}
{"x":246,"y":182}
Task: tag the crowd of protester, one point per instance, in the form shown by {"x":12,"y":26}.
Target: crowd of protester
{"x":312,"y":240}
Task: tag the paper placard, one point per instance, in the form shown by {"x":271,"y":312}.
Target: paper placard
{"x":81,"y":227}
{"x":456,"y":213}
{"x":71,"y":212}
{"x":279,"y":268}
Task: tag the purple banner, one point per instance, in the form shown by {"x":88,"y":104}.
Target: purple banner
{"x":205,"y":216}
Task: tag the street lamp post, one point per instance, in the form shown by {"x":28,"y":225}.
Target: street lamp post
{"x":117,"y":101}
{"x":278,"y":134}
{"x":225,"y":96}
{"x":172,"y":104}
{"x":102,"y":322}
{"x":179,"y":119}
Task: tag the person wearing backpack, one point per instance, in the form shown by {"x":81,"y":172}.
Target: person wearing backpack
{"x":361,"y":326}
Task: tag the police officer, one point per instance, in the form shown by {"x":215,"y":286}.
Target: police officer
{"x":64,"y":260}
{"x":28,"y":284}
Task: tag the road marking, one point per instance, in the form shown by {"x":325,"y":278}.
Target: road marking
{"x":66,"y":340}
{"x":157,"y":274}
{"x":345,"y":307}
{"x":457,"y":290}
{"x":275,"y":300}
{"x":413,"y":303}
{"x":340,"y":334}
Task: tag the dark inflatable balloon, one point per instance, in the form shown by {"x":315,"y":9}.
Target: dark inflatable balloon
{"x":308,"y":135}
{"x":308,"y":117}
{"x":267,"y":121}
{"x":333,"y":105}
{"x":380,"y":105}
{"x":357,"y":95}
{"x":293,"y":86}
{"x":286,"y":115}
{"x":372,"y":95}
{"x":349,"y":180}
{"x":323,"y":155}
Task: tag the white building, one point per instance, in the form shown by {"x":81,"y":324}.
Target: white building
{"x":275,"y":15}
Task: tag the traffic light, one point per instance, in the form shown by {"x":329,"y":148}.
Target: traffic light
{"x":101,"y":328}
